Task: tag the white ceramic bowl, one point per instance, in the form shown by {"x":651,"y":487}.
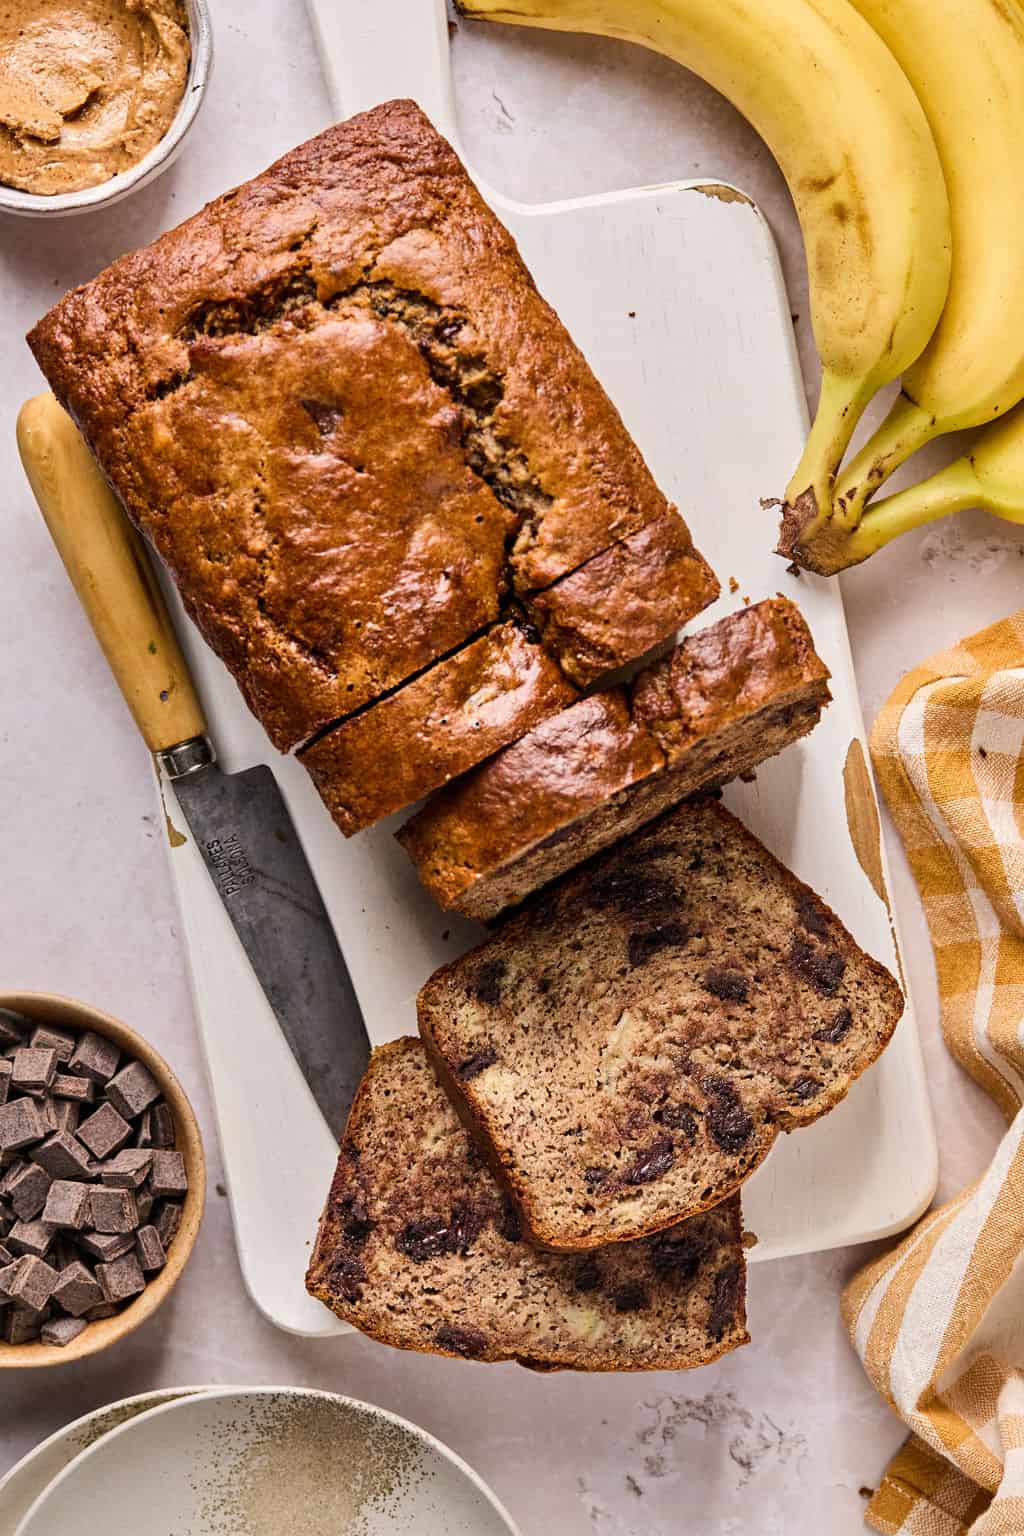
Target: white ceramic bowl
{"x":163,"y":154}
{"x":23,"y":1484}
{"x":269,"y":1461}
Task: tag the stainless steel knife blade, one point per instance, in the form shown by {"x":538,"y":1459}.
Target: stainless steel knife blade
{"x":252,"y":851}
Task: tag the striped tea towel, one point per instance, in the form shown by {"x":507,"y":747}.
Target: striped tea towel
{"x":939,"y":1320}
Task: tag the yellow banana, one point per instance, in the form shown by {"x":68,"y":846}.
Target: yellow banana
{"x":965,"y":59}
{"x":838,"y":113}
{"x":990,"y":476}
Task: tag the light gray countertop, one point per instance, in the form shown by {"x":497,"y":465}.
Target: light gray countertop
{"x":780,"y":1437}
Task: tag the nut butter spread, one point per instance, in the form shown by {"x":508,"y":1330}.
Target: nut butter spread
{"x":87,"y":87}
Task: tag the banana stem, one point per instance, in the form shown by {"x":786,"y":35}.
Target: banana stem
{"x":951,"y":490}
{"x":906,"y":429}
{"x":840,"y":406}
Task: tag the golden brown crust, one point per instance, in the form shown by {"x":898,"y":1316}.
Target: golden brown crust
{"x":439,"y":725}
{"x":625,"y":601}
{"x":339,"y":408}
{"x":727,"y":671}
{"x":744,"y":689}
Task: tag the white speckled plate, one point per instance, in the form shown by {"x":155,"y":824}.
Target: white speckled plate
{"x":24,"y":1483}
{"x":267,"y":1462}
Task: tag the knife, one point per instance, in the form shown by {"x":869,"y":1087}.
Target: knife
{"x":238,"y":820}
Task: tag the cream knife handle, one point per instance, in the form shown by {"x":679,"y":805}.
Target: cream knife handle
{"x":111,"y":573}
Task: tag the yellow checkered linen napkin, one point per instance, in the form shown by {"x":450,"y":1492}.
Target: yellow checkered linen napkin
{"x":939,"y":1320}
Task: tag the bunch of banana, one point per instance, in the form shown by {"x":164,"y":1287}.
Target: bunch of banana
{"x":899,"y":126}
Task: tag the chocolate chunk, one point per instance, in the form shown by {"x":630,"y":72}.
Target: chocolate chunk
{"x":675,"y":1257}
{"x":105,"y":1132}
{"x":6,"y":1258}
{"x":66,"y":1085}
{"x":95,"y":1058}
{"x":725,"y":1300}
{"x":67,"y":1204}
{"x":725,"y":1117}
{"x":805,"y":1087}
{"x":32,"y":1283}
{"x":646,"y":942}
{"x":121,"y":1279}
{"x":97,"y":1314}
{"x":811,"y":915}
{"x":45,"y":1038}
{"x":595,"y":1177}
{"x":834,"y":1032}
{"x":63,"y":1115}
{"x":63,"y":1157}
{"x":149,"y":1249}
{"x":652,"y":1162}
{"x":477,"y":1063}
{"x":22,"y":1325}
{"x":630,"y":1298}
{"x":77,"y":1290}
{"x":168,"y":1220}
{"x":429,"y":1239}
{"x":728,"y":986}
{"x":168,"y":1176}
{"x":822,"y":968}
{"x":6,"y":1071}
{"x":347,"y":1274}
{"x":14,"y":1027}
{"x":587,"y":1275}
{"x":469,"y":1342}
{"x":678,"y":1117}
{"x":113,"y":1210}
{"x":144,"y":1204}
{"x":21,"y":1124}
{"x":32,"y":1237}
{"x":486,"y":984}
{"x":62,"y":1331}
{"x":27,"y":1192}
{"x":107,"y":1246}
{"x":133,"y":1090}
{"x":129,"y":1169}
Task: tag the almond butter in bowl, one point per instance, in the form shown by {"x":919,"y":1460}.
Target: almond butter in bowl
{"x":102,"y":1180}
{"x":95,"y":96}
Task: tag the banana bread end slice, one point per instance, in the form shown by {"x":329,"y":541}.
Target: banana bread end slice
{"x":722,"y":702}
{"x":420,"y":1248}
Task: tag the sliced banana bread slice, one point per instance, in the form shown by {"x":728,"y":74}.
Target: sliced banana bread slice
{"x":443,"y":722}
{"x":420,"y":1248}
{"x":630,"y":1043}
{"x":722,"y":702}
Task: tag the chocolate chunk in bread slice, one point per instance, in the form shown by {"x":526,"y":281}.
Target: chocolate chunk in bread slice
{"x":629,"y":1044}
{"x":349,"y":423}
{"x":722,"y":702}
{"x":437,"y":726}
{"x":420,"y":1248}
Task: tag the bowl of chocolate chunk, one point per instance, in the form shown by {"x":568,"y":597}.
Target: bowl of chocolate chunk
{"x":96,"y":97}
{"x":102,"y":1180}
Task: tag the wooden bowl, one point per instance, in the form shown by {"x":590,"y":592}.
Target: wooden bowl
{"x":49,"y":1008}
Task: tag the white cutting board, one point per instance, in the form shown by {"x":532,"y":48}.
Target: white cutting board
{"x":676,"y":297}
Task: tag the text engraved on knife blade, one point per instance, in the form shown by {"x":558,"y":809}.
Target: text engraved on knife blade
{"x":229,"y":865}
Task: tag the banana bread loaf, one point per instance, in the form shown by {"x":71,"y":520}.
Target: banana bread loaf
{"x":339,"y":408}
{"x":630,"y":1043}
{"x":419,"y":1248}
{"x":723,"y":701}
{"x":436,"y":726}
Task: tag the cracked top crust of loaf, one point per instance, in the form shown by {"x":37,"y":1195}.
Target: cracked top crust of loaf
{"x":630,"y":1043}
{"x":339,"y":408}
{"x":419,"y":1248}
{"x":722,"y":702}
